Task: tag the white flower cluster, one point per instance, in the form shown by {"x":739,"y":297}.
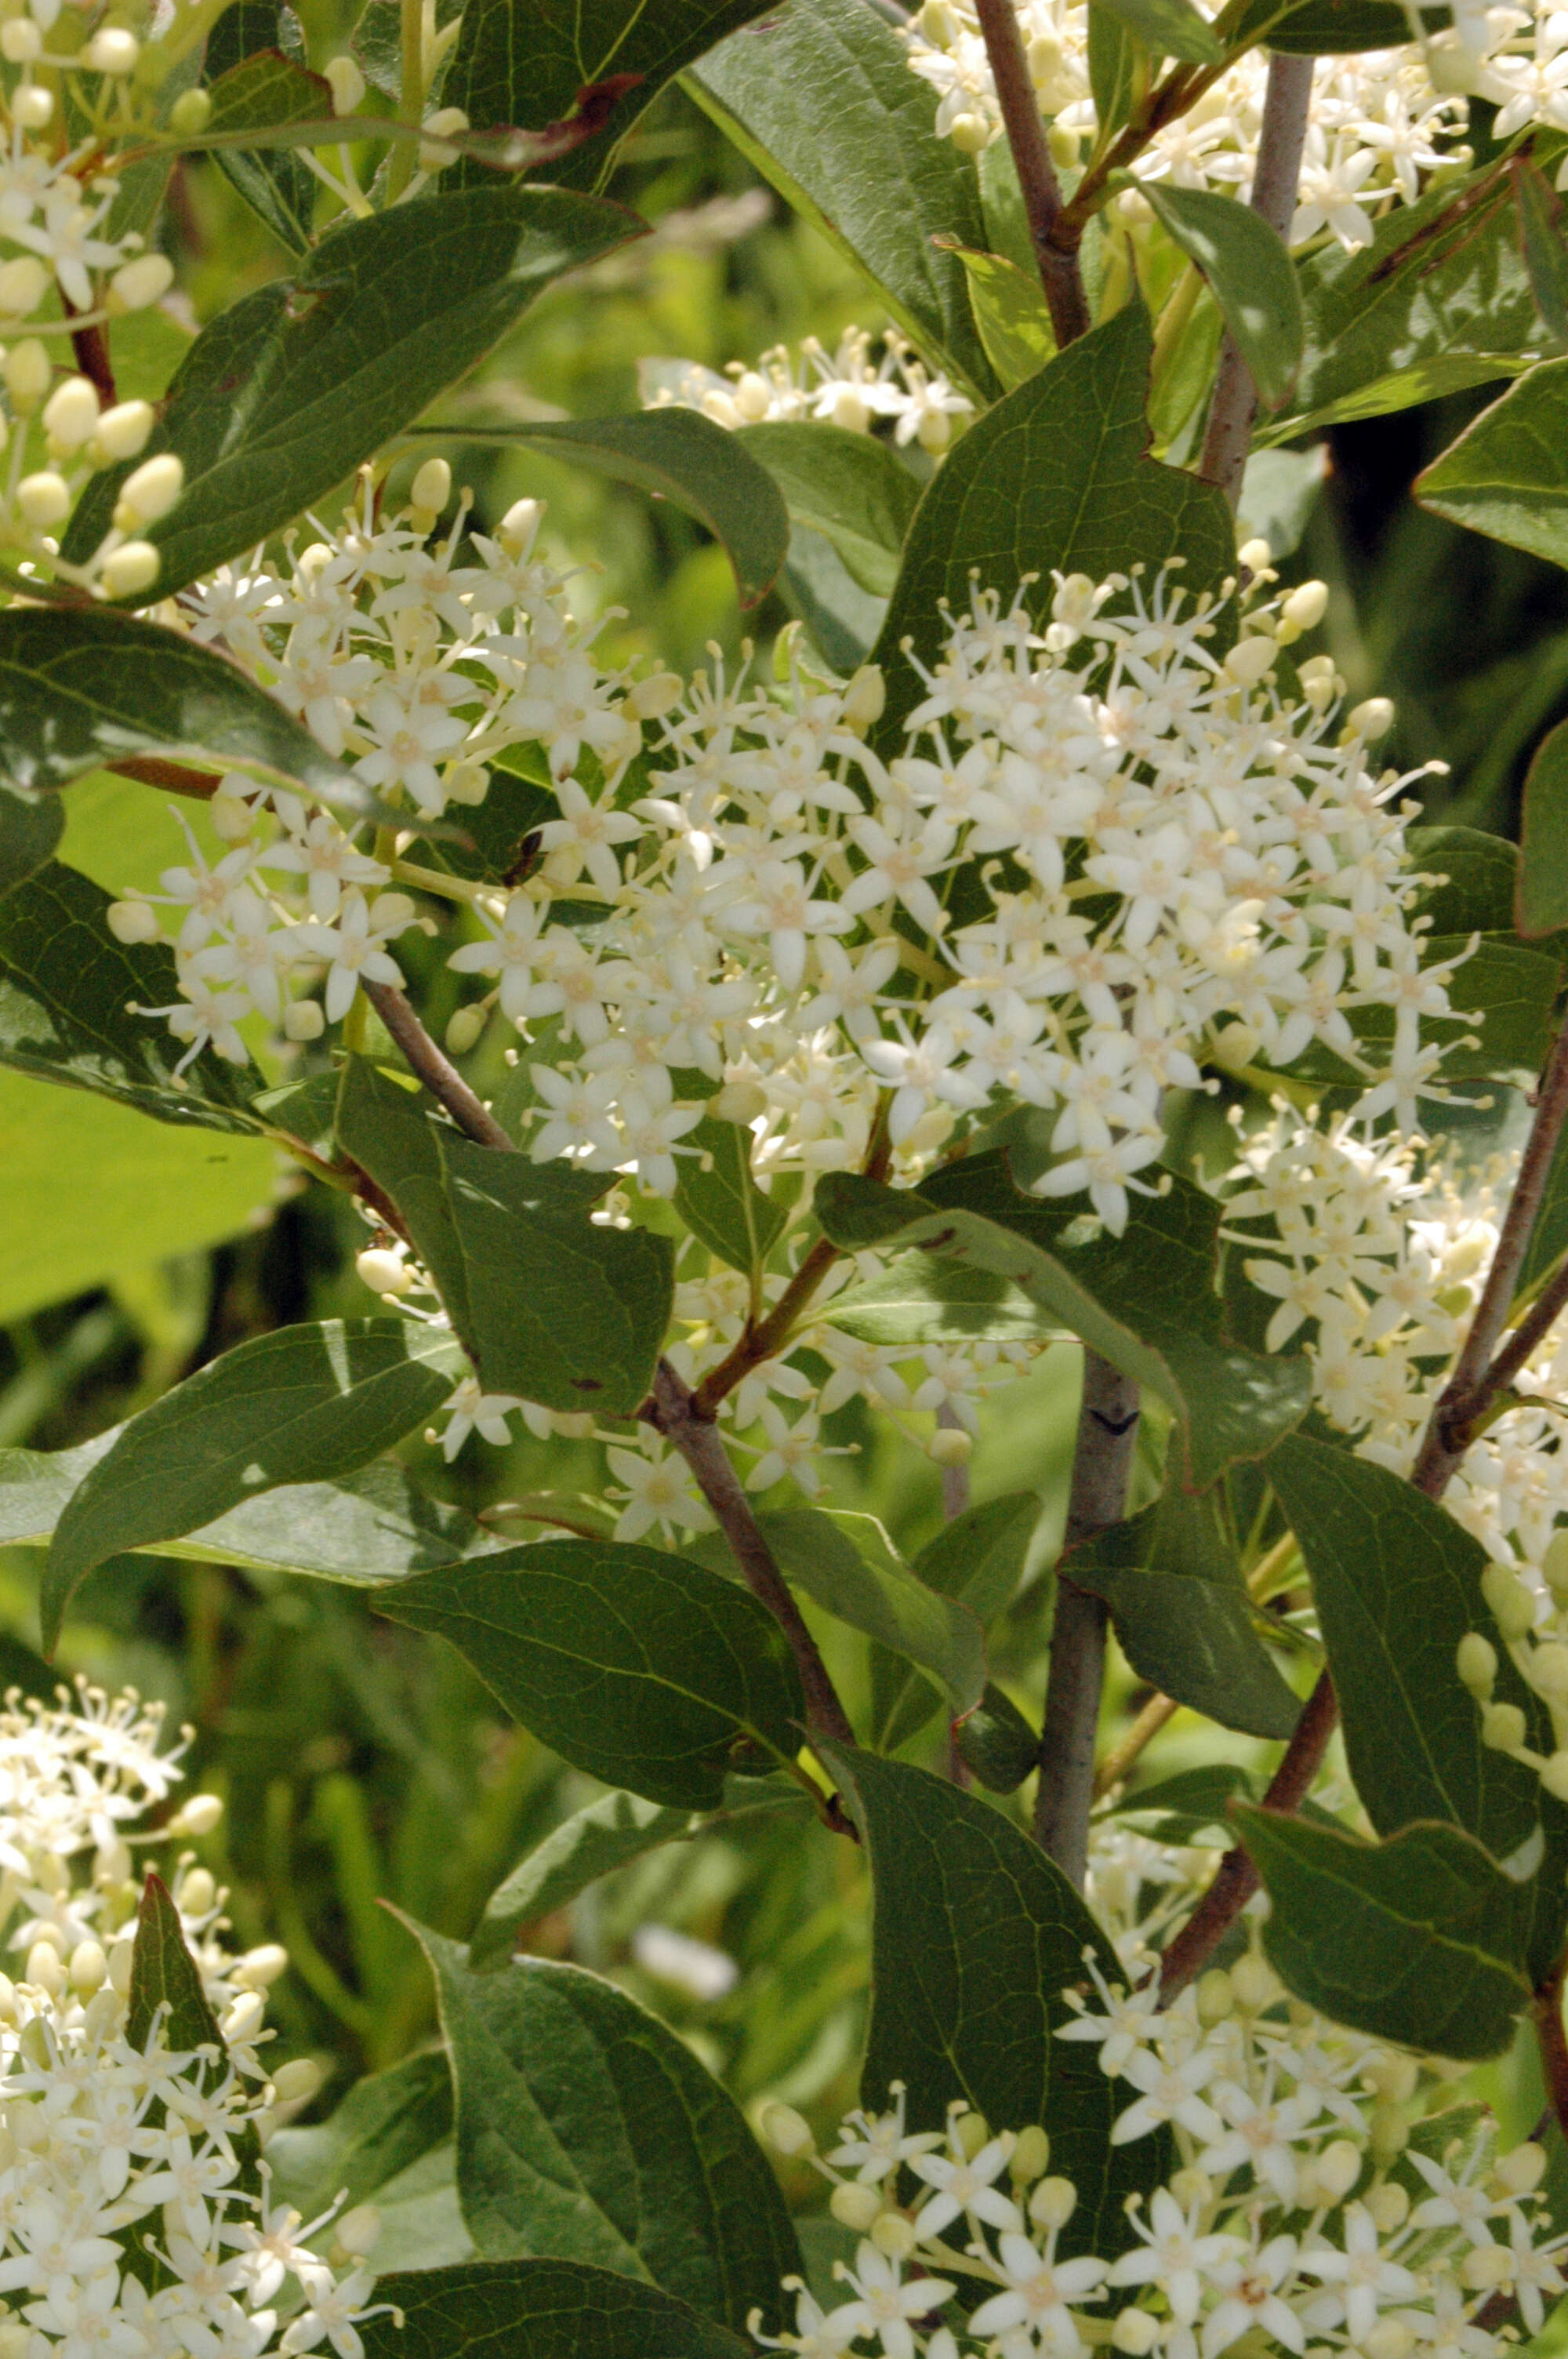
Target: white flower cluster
{"x":1318,"y":2205}
{"x":134,"y":2224}
{"x":1379,"y":120}
{"x":845,"y":387}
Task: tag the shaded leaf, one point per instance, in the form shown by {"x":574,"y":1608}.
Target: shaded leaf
{"x":1196,"y":1642}
{"x":924,"y":1299}
{"x":678,"y":455}
{"x":1190,"y":1801}
{"x":998,"y":1744}
{"x":1543,"y":243}
{"x":1278,"y":492}
{"x":280,"y":188}
{"x":1542,"y":891}
{"x":975,"y":1935}
{"x":977,"y":1559}
{"x":1508,"y":474}
{"x":1478,"y":877}
{"x":645,"y":1670}
{"x":723,"y":1205}
{"x":1253,"y":279}
{"x":30,"y":827}
{"x":387,"y":2121}
{"x":849,"y":488}
{"x":1171,"y":29}
{"x":586,"y":2129}
{"x":481,"y":2310}
{"x":884,"y":1599}
{"x":821,"y":100}
{"x":1418,"y":1940}
{"x":1328,"y":27}
{"x":300,"y":1404}
{"x":165,"y":1978}
{"x":285,"y":392}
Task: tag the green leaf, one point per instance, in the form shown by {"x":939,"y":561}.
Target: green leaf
{"x":849,"y":488}
{"x":532,"y":67}
{"x":818,"y":590}
{"x":1056,"y":476}
{"x":35,"y":1485}
{"x":998,"y":1744}
{"x":975,"y":1935}
{"x":285,"y":392}
{"x":1543,"y":243}
{"x":1253,"y":279}
{"x":387,"y":1128}
{"x":1196,"y":1642}
{"x":100,"y":1193}
{"x":1478,"y":877}
{"x":924,"y":1298}
{"x":1147,"y":1302}
{"x":977,"y":1560}
{"x":362,"y":1529}
{"x":723,"y":1205}
{"x":166,"y":1979}
{"x":677,"y":455}
{"x":1279,"y":493}
{"x":1397,"y":1583}
{"x":642,"y":1668}
{"x":1171,"y":29}
{"x":821,"y":101}
{"x":1011,"y":312}
{"x":279,"y":189}
{"x":81,"y":686}
{"x":30,"y":829}
{"x":387,"y":2121}
{"x":598,"y":1839}
{"x":882,"y":1598}
{"x":1418,"y":1940}
{"x":66,"y":990}
{"x":1190,"y":1801}
{"x":1506,"y":475}
{"x":298,"y":1405}
{"x":483,"y":2309}
{"x":1118,"y":62}
{"x":586,"y":2129}
{"x":1542,"y":890}
{"x":1440,"y":300}
{"x":561,"y":1311}
{"x":1327,"y":28}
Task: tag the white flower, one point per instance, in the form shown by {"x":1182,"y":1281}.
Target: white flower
{"x":883,"y":2303}
{"x":352,"y":947}
{"x":1174,"y":2257}
{"x":1038,"y":2297}
{"x":1365,"y":2278}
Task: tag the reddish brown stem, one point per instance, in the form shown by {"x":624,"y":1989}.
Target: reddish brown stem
{"x":1056,"y":258}
{"x":1546,"y":2014}
{"x":91,"y":346}
{"x":175,"y":777}
{"x":438,"y":1073}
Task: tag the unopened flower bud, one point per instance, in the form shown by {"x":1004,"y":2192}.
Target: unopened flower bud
{"x":15,"y":2339}
{"x":1388,"y":2205}
{"x":26,"y":369}
{"x":786,"y":2131}
{"x":1554,"y":1776}
{"x":32,"y":106}
{"x":934,"y":431}
{"x":1250,"y":661}
{"x":1305,"y":608}
{"x":1192,"y":2186}
{"x":44,"y":499}
{"x":443,"y":124}
{"x":20,"y":41}
{"x":655,"y":695}
{"x":1031,"y":2156}
{"x":89,"y":1966}
{"x":132,"y":921}
{"x":1216,"y":1999}
{"x":7,"y":2000}
{"x":1554,"y":1566}
{"x":130,"y":568}
{"x":1486,"y":2268}
{"x":1391,"y":2338}
{"x":44,"y":1968}
{"x":517,"y":528}
{"x":1255,"y":555}
{"x":743,"y":1102}
{"x":198,"y":1816}
{"x":1475,"y":1659}
{"x":197,"y":1893}
{"x":972,"y":2131}
{"x":893,"y":2234}
{"x":849,"y":411}
{"x":137,"y":284}
{"x":854,"y":2206}
{"x":1053,"y":2203}
{"x":70,"y":414}
{"x":753,"y":397}
{"x":950,"y":1445}
{"x":431,"y":487}
{"x":303,"y":1020}
{"x":149,"y":491}
{"x":121,"y":1958}
{"x":1547,"y":1670}
{"x":970,"y":134}
{"x":1391,"y":2132}
{"x":260,"y":1967}
{"x":383,"y":1272}
{"x":1374,"y":718}
{"x":464,"y":1029}
{"x":1522,"y":2172}
{"x":122,"y":433}
{"x":295,"y":2082}
{"x":1254,"y":1984}
{"x":865,"y":699}
{"x":188,"y":117}
{"x":347,"y":85}
{"x":1136,"y":2332}
{"x":359,"y":2231}
{"x":244,"y":2019}
{"x":1503,"y":1727}
{"x":231,"y":815}
{"x":113,"y":50}
{"x":1513,"y":1606}
{"x":1338,"y":2169}
{"x":466,"y":782}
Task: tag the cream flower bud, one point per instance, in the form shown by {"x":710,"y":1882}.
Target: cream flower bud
{"x":738,"y":1102}
{"x":939,"y":24}
{"x":1391,"y":2338}
{"x":150,"y":491}
{"x":261,"y":1967}
{"x":1511,"y":1606}
{"x":136,"y":284}
{"x":1554,"y":1566}
{"x":1254,"y":1984}
{"x":120,"y":1963}
{"x":1255,"y":555}
{"x":112,"y":50}
{"x":972,"y":2132}
{"x":1053,"y":2203}
{"x":1503,"y":1727}
{"x":71,"y":413}
{"x":1487,"y":2268}
{"x":465,"y":1027}
{"x":1305,"y":608}
{"x":1388,"y":2205}
{"x":190,"y":114}
{"x":751,"y":397}
{"x":244,"y":2019}
{"x":32,"y":106}
{"x":131,"y":568}
{"x":950,"y":1446}
{"x":123,"y":432}
{"x":20,"y":41}
{"x":849,"y":411}
{"x":970,"y":134}
{"x":1250,"y":661}
{"x":517,"y":528}
{"x":44,"y":499}
{"x":432,"y":486}
{"x":1192,"y":2186}
{"x":15,"y":2339}
{"x":1216,"y":1999}
{"x":786,"y":2131}
{"x":383,"y":1272}
{"x":359,"y":2231}
{"x":295,"y":2082}
{"x":1390,"y":2133}
{"x":865,"y":699}
{"x":303,"y":1020}
{"x":893,"y":2234}
{"x":1374,"y":718}
{"x":446,"y":122}
{"x":23,"y":286}
{"x":655,"y":695}
{"x":198,"y":1816}
{"x":44,"y":1968}
{"x":348,"y":84}
{"x":1475,"y":1660}
{"x":195,"y":1892}
{"x":1547,"y":1669}
{"x":1338,"y":2169}
{"x":1031,"y":2156}
{"x":854,"y":2206}
{"x":1522,"y":2172}
{"x":934,"y":431}
{"x":88,"y":1967}
{"x":1136,"y":2332}
{"x":132,"y":921}
{"x":231,"y":815}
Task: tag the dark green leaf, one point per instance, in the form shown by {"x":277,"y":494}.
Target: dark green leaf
{"x":998,"y":1744}
{"x":287,"y":392}
{"x":30,"y":827}
{"x":1118,"y":61}
{"x":723,"y":1205}
{"x":924,"y":1298}
{"x":1253,"y":279}
{"x":1543,"y":243}
{"x":679,"y":456}
{"x":821,"y":100}
{"x":642,"y":1668}
{"x":302,"y":1405}
{"x":602,"y":1836}
{"x":1542,"y":890}
{"x":82,"y":686}
{"x":1419,"y":1939}
{"x":386,"y":2122}
{"x":589,"y":2131}
{"x":849,"y":488}
{"x":1056,"y":476}
{"x":1190,"y":1801}
{"x":975,"y":1936}
{"x":1478,"y":876}
{"x":1011,"y":314}
{"x":561,"y":1311}
{"x":164,"y":1976}
{"x":1327,"y":28}
{"x":977,"y":1560}
{"x":538,"y":2310}
{"x":1171,"y":29}
{"x":882,"y":1598}
{"x":1508,"y":474}
{"x":1147,"y":1302}
{"x":67,"y":988}
{"x":280,"y":188}
{"x":1196,"y":1642}
{"x":386,"y":1128}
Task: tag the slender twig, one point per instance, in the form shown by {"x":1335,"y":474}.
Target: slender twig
{"x":1144,"y":1729}
{"x":1546,"y":2014}
{"x":673,"y":1409}
{"x":1102,"y":1460}
{"x":955,"y":1479}
{"x":91,"y":347}
{"x":1058,"y":262}
{"x":175,"y":777}
{"x":1280,"y":144}
{"x":438,"y":1073}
